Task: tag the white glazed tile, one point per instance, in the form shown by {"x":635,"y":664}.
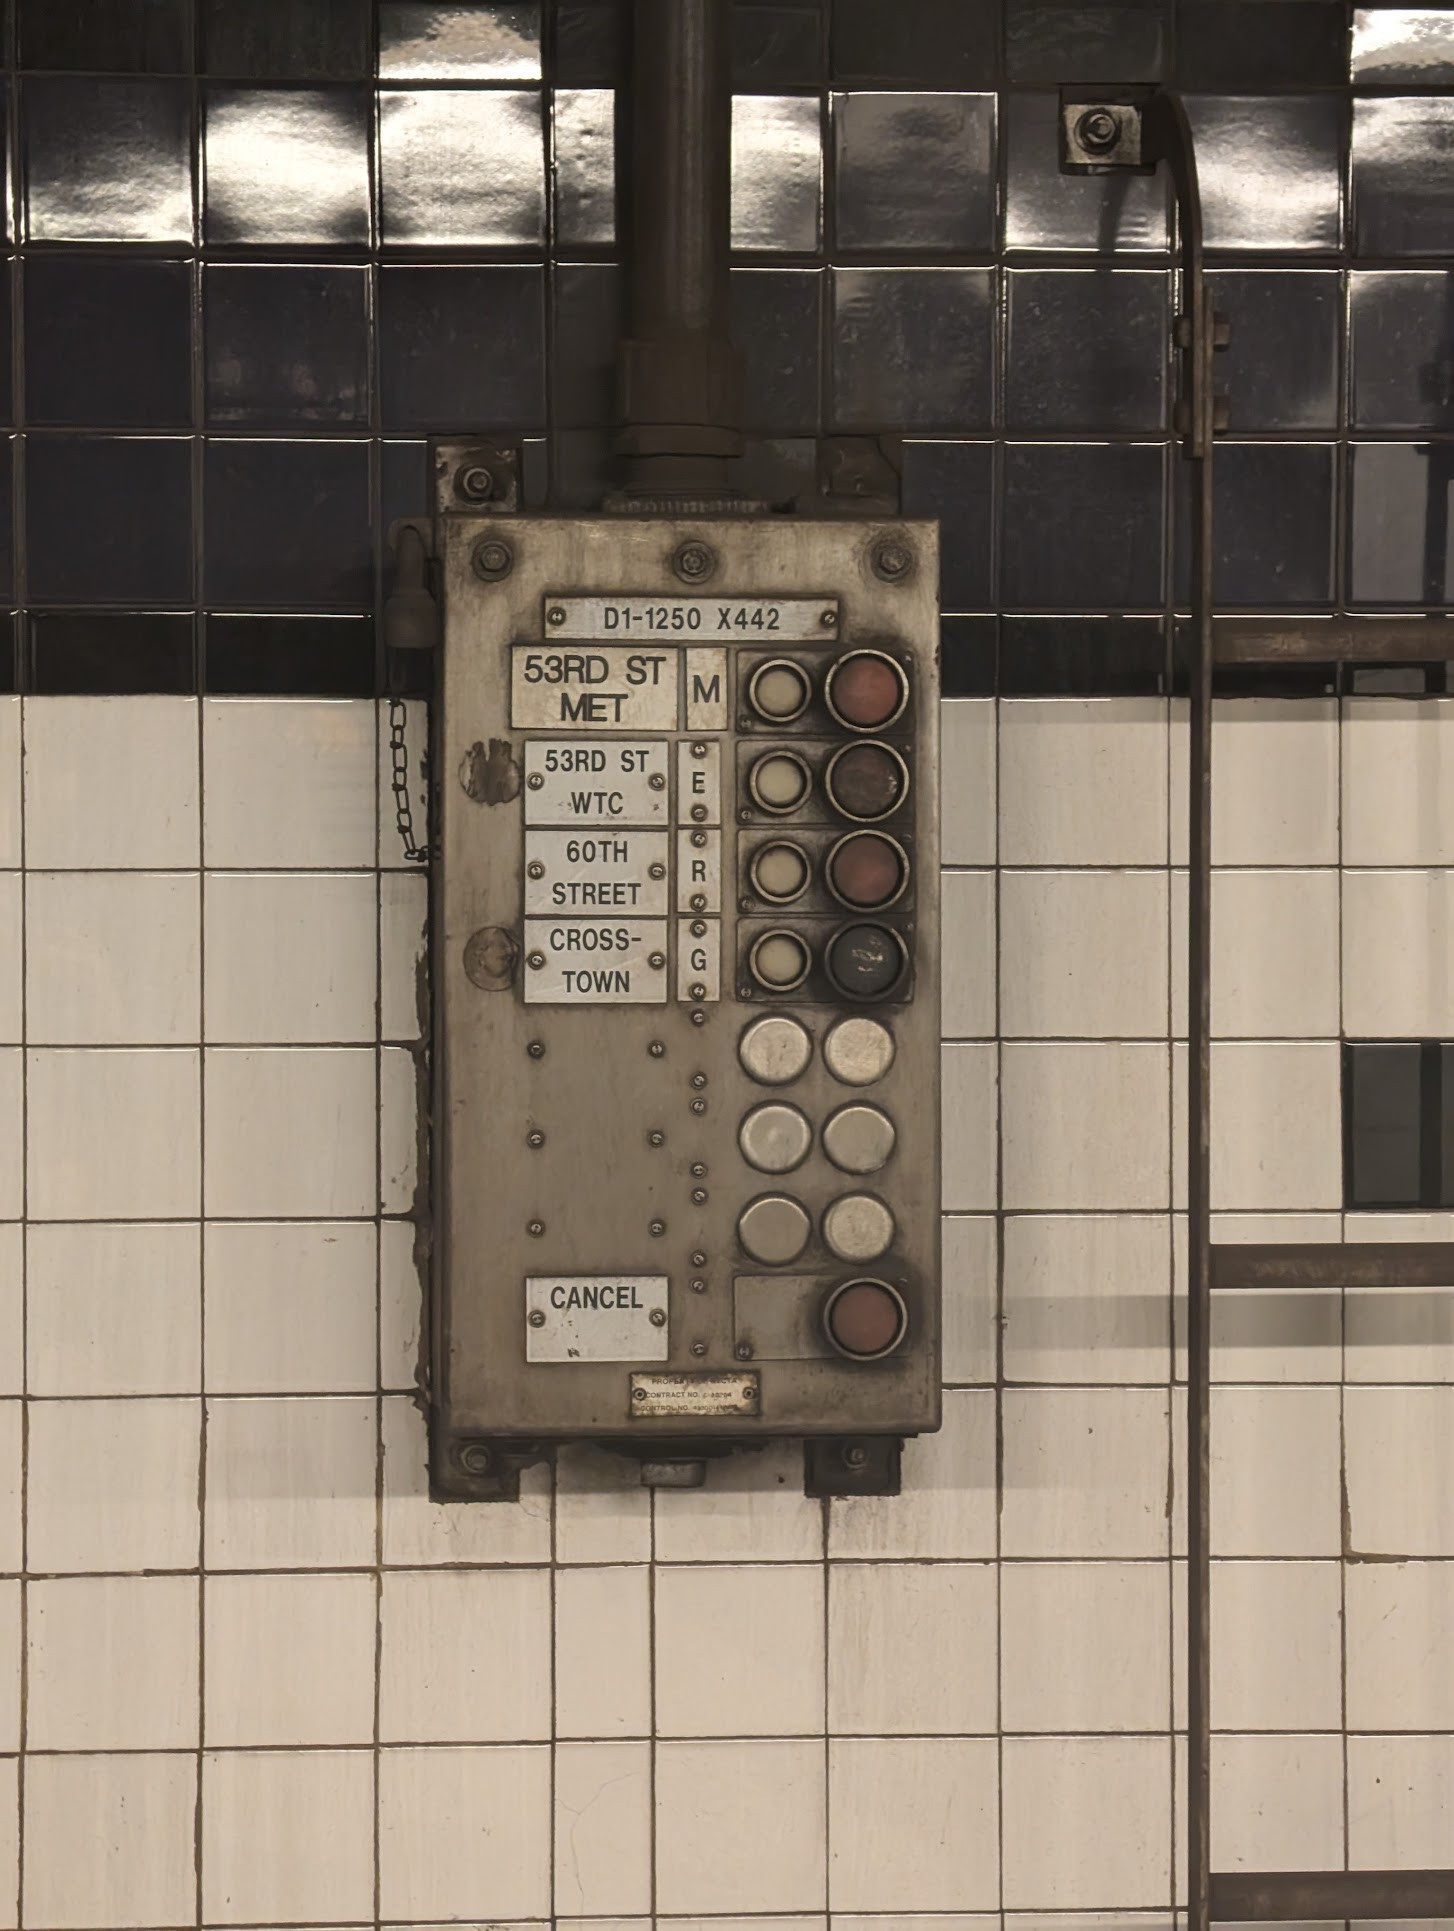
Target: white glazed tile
{"x":291,"y":1306}
{"x":740,"y":1826}
{"x":1296,"y":1335}
{"x":112,"y":1663}
{"x":604,"y":1612}
{"x":1277,"y":1803}
{"x":947,"y":1508}
{"x":1085,"y":1125}
{"x":416,"y":740}
{"x":401,"y":1306}
{"x":1398,"y":930}
{"x":114,"y":1308}
{"x":1277,"y":1134}
{"x":112,"y":1485}
{"x":133,"y":1864}
{"x":291,"y":957}
{"x":967,"y":954}
{"x":1275,"y":1472}
{"x":403,"y":1101}
{"x":1276,"y":1646}
{"x":111,"y":782}
{"x":289,"y":1660}
{"x":912,"y":1921}
{"x":968,"y":1100}
{"x":1274,"y":954}
{"x":967,"y":747}
{"x":1083,"y":954}
{"x":1274,"y":781}
{"x":889,"y":1849}
{"x":602,"y":1827}
{"x":1084,"y":1646}
{"x":1400,"y":1796}
{"x":419,"y":1532}
{"x":113,"y":958}
{"x":1087,"y":1297}
{"x":12,"y":1134}
{"x":12,"y":931}
{"x":1085,"y":1472}
{"x":12,"y":1308}
{"x":291,"y":1131}
{"x":756,"y":1513}
{"x":113,"y":1135}
{"x":1399,"y":1618}
{"x":1398,"y":781}
{"x":891,"y":1625}
{"x":601,"y":1513}
{"x":970,"y":1297}
{"x":739,"y":1650}
{"x":1110,"y":1797}
{"x":1083,"y":781}
{"x":289,"y":782}
{"x":10,"y":844}
{"x":403,"y":954}
{"x":1392,"y":1333}
{"x":445,"y":1636}
{"x":290,"y":1483}
{"x":1398,"y":1444}
{"x":287,"y":1836}
{"x":465,"y":1833}
{"x":9,"y":1842}
{"x":12,"y":1487}
{"x":11,"y":1650}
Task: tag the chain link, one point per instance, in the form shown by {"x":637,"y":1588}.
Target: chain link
{"x":399,"y":765}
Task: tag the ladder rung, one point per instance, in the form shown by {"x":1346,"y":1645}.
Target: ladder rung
{"x":1276,"y":1897}
{"x":1328,"y":640}
{"x":1334,"y":1264}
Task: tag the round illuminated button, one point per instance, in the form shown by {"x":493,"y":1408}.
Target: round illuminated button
{"x":857,"y":1051}
{"x":779,"y":690}
{"x":779,"y":871}
{"x":775,"y":1050}
{"x":859,"y":1139}
{"x":866,"y":781}
{"x":866,"y":690}
{"x":865,"y":961}
{"x":775,"y":1137}
{"x":774,"y":1229}
{"x":780,"y":781}
{"x":779,"y":961}
{"x":866,"y":870}
{"x":858,"y":1227}
{"x":865,"y":1319}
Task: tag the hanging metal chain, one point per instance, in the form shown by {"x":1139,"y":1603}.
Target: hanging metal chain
{"x":399,"y":778}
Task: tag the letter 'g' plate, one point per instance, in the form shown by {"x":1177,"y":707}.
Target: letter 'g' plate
{"x":596,"y":1317}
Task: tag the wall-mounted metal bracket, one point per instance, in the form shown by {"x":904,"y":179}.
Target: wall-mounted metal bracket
{"x":1102,"y":128}
{"x":477,"y":476}
{"x":851,"y":1465}
{"x":479,"y":1468}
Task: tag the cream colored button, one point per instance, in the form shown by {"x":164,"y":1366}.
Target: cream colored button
{"x":775,"y":1050}
{"x":775,"y":1137}
{"x":779,"y":782}
{"x":859,"y":1139}
{"x":774,"y":1229}
{"x":779,"y":871}
{"x":779,"y":960}
{"x":859,"y":1051}
{"x":779,"y":691}
{"x":857,"y":1227}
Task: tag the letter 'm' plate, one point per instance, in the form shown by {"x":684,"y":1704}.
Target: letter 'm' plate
{"x":596,"y":1317}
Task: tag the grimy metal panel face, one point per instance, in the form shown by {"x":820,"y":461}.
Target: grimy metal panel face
{"x":686,"y":1148}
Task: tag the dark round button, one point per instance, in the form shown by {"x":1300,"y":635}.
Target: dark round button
{"x":866,"y":690}
{"x":866,"y":781}
{"x":779,"y":690}
{"x":866,"y":870}
{"x":865,"y":1319}
{"x":865,"y":961}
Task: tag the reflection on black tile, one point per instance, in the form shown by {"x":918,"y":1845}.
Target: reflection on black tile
{"x":1047,"y":209}
{"x":591,"y":42}
{"x":1403,"y":176}
{"x":584,"y":134}
{"x":107,"y":160}
{"x":436,"y":190}
{"x":1272,"y":525}
{"x":1082,"y":657}
{"x":1393,"y":44}
{"x":111,"y":653}
{"x":1280,"y":368}
{"x":107,"y":341}
{"x":781,"y":471}
{"x":775,"y":47}
{"x":286,"y":523}
{"x":1270,"y":169}
{"x":915,"y":170}
{"x":1401,"y":546}
{"x":1245,"y":43}
{"x":588,"y":328}
{"x":461,"y":348}
{"x":459,"y":40}
{"x":582,"y":468}
{"x":913,"y":348}
{"x":1081,"y":527}
{"x":1382,"y":1120}
{"x":1086,"y":349}
{"x":137,"y":493}
{"x":286,"y":345}
{"x":289,"y":656}
{"x":286,"y":39}
{"x":968,"y":656}
{"x":287,"y":167}
{"x":777,"y":173}
{"x":779,"y":312}
{"x":955,"y":483}
{"x":405,"y":485}
{"x":1401,"y":347}
{"x":924,"y":43}
{"x":104,"y":36}
{"x":1043,"y":44}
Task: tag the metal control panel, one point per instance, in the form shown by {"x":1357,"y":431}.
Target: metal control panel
{"x":685,"y":1151}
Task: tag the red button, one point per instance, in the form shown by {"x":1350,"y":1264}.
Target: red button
{"x":866,"y":690}
{"x":866,"y":870}
{"x":865,"y":1319}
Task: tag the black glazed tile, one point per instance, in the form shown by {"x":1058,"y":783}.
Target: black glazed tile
{"x":1403,"y":176}
{"x":1401,"y":499}
{"x":453,"y":40}
{"x":434,"y":190}
{"x":1081,"y":527}
{"x":1280,"y":367}
{"x":462,"y":348}
{"x":1441,"y":1118}
{"x":405,"y":484}
{"x":138,"y":496}
{"x":781,"y":471}
{"x":592,"y":39}
{"x":915,"y":171}
{"x":915,"y":43}
{"x":1045,"y":43}
{"x":111,"y":653}
{"x":955,"y":482}
{"x":583,"y":132}
{"x":1401,"y":348}
{"x":287,"y":167}
{"x":775,"y":47}
{"x":107,"y":341}
{"x":777,"y":314}
{"x":588,"y":317}
{"x":1272,"y":526}
{"x":286,"y":39}
{"x":1250,"y":43}
{"x":1082,"y":657}
{"x":1086,"y":349}
{"x":1045,"y":209}
{"x":289,"y":656}
{"x":105,"y":36}
{"x":1394,"y":44}
{"x":1383,"y":1154}
{"x":968,"y":656}
{"x":777,"y":173}
{"x":9,"y":655}
{"x":107,"y":160}
{"x":913,"y":348}
{"x":1270,"y":168}
{"x":286,"y":523}
{"x":582,"y":468}
{"x":286,"y":345}
{"x":7,"y":398}
{"x":8,"y":451}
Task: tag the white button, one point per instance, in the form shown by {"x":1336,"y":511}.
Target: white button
{"x":774,"y":1229}
{"x":775,"y":1050}
{"x":857,"y":1227}
{"x":859,"y":1139}
{"x":859,"y":1051}
{"x":775,"y":1137}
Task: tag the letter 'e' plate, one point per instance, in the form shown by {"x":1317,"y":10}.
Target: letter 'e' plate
{"x":596,"y":1317}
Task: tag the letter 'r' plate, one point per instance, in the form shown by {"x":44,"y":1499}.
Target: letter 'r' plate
{"x":596,"y":1317}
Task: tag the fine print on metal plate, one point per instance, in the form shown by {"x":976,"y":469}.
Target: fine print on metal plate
{"x":719,"y":620}
{"x":654,"y":1395}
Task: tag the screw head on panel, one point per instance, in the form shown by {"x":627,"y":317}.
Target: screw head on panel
{"x":535,"y":961}
{"x":535,"y":869}
{"x":656,"y":1138}
{"x":699,"y":1348}
{"x":657,"y":961}
{"x":699,"y":1167}
{"x":699,"y":931}
{"x":535,"y":1138}
{"x":476,"y":483}
{"x":476,"y":1458}
{"x":699,"y":1286}
{"x":699,"y":1018}
{"x":1098,"y":131}
{"x":828,"y":620}
{"x":657,"y":781}
{"x":699,"y":1079}
{"x":536,"y":1318}
{"x":892,"y":561}
{"x":555,"y":614}
{"x":699,"y":904}
{"x":743,"y":1350}
{"x":492,"y":558}
{"x":536,"y":1049}
{"x":699,"y":840}
{"x":657,"y":1048}
{"x":694,"y":562}
{"x":535,"y":781}
{"x":696,"y":992}
{"x":699,"y":812}
{"x":656,"y":871}
{"x":699,"y":1106}
{"x":658,"y":1317}
{"x":656,"y":1229}
{"x":855,"y":1455}
{"x":535,"y":1228}
{"x":699,"y":1259}
{"x":699,"y":750}
{"x":699,"y":1196}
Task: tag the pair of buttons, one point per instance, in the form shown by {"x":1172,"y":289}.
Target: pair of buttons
{"x":777,"y":1049}
{"x":776,"y":1137}
{"x":775,"y":1228}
